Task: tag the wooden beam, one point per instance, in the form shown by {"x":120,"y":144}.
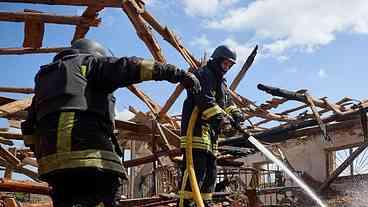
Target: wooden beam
{"x":342,"y":102}
{"x":16,"y":90}
{"x":131,"y":126}
{"x":154,"y":107}
{"x":6,"y":142}
{"x":244,"y":69}
{"x":15,"y":106}
{"x":343,"y":166}
{"x":90,"y":13}
{"x":30,"y":50}
{"x":174,"y":41}
{"x":133,"y":12}
{"x":171,"y":38}
{"x":47,"y":18}
{"x":43,"y":204}
{"x":151,"y":158}
{"x":9,"y":157}
{"x":139,"y":201}
{"x":24,"y":186}
{"x":317,"y":117}
{"x":20,"y":169}
{"x":293,"y":131}
{"x":11,"y":135}
{"x":296,"y":96}
{"x":253,"y":110}
{"x":9,"y":169}
{"x":104,"y":3}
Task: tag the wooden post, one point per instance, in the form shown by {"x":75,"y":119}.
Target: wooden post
{"x":317,"y":117}
{"x":10,"y":157}
{"x":132,"y":170}
{"x":9,"y":169}
{"x":154,"y":163}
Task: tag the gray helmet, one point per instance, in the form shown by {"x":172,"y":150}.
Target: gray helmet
{"x":224,"y":51}
{"x":90,"y":47}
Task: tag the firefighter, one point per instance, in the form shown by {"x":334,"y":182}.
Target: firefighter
{"x":216,"y":112}
{"x":70,"y":122}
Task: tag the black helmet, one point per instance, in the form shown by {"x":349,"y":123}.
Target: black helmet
{"x":224,"y":51}
{"x":89,"y":46}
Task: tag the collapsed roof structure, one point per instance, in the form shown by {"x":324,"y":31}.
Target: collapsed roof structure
{"x":160,"y":131}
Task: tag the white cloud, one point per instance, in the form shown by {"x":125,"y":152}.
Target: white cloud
{"x":206,"y":7}
{"x":322,"y":73}
{"x":201,"y":42}
{"x":305,"y":24}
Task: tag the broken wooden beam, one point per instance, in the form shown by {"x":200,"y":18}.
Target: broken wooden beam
{"x":296,"y":96}
{"x":90,"y":13}
{"x":5,"y":100}
{"x":16,"y":90}
{"x":47,"y":18}
{"x":343,"y":102}
{"x":140,"y":201}
{"x":174,"y":41}
{"x":154,"y":107}
{"x":11,"y":135}
{"x":151,"y":158}
{"x":292,"y":131}
{"x":105,"y":3}
{"x":9,"y":157}
{"x":343,"y":166}
{"x":43,"y":204}
{"x":6,"y":141}
{"x":171,"y":38}
{"x":132,"y":11}
{"x":24,"y":186}
{"x":29,"y":50}
{"x":15,"y":106}
{"x":253,"y":110}
{"x":244,"y":69}
{"x":317,"y":117}
{"x":131,"y":126}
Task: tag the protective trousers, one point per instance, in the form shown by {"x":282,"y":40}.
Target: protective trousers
{"x":205,"y":169}
{"x":84,"y":188}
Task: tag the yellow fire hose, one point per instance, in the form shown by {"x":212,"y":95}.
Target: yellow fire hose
{"x":189,"y":172}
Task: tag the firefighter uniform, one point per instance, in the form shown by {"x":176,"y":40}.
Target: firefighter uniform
{"x":214,"y":104}
{"x":71,"y":119}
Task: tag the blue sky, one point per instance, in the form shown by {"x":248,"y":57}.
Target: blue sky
{"x":315,"y":45}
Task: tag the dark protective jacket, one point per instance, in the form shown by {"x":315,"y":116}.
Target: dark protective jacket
{"x":72,"y":112}
{"x":214,"y":102}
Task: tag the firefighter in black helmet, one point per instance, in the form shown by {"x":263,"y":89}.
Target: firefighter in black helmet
{"x":216,"y":112}
{"x":71,"y":119}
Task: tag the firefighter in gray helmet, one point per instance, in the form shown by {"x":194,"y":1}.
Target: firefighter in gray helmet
{"x":70,"y":122}
{"x":216,"y":111}
{"x":224,"y":51}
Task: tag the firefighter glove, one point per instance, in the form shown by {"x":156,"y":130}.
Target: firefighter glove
{"x":236,"y":120}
